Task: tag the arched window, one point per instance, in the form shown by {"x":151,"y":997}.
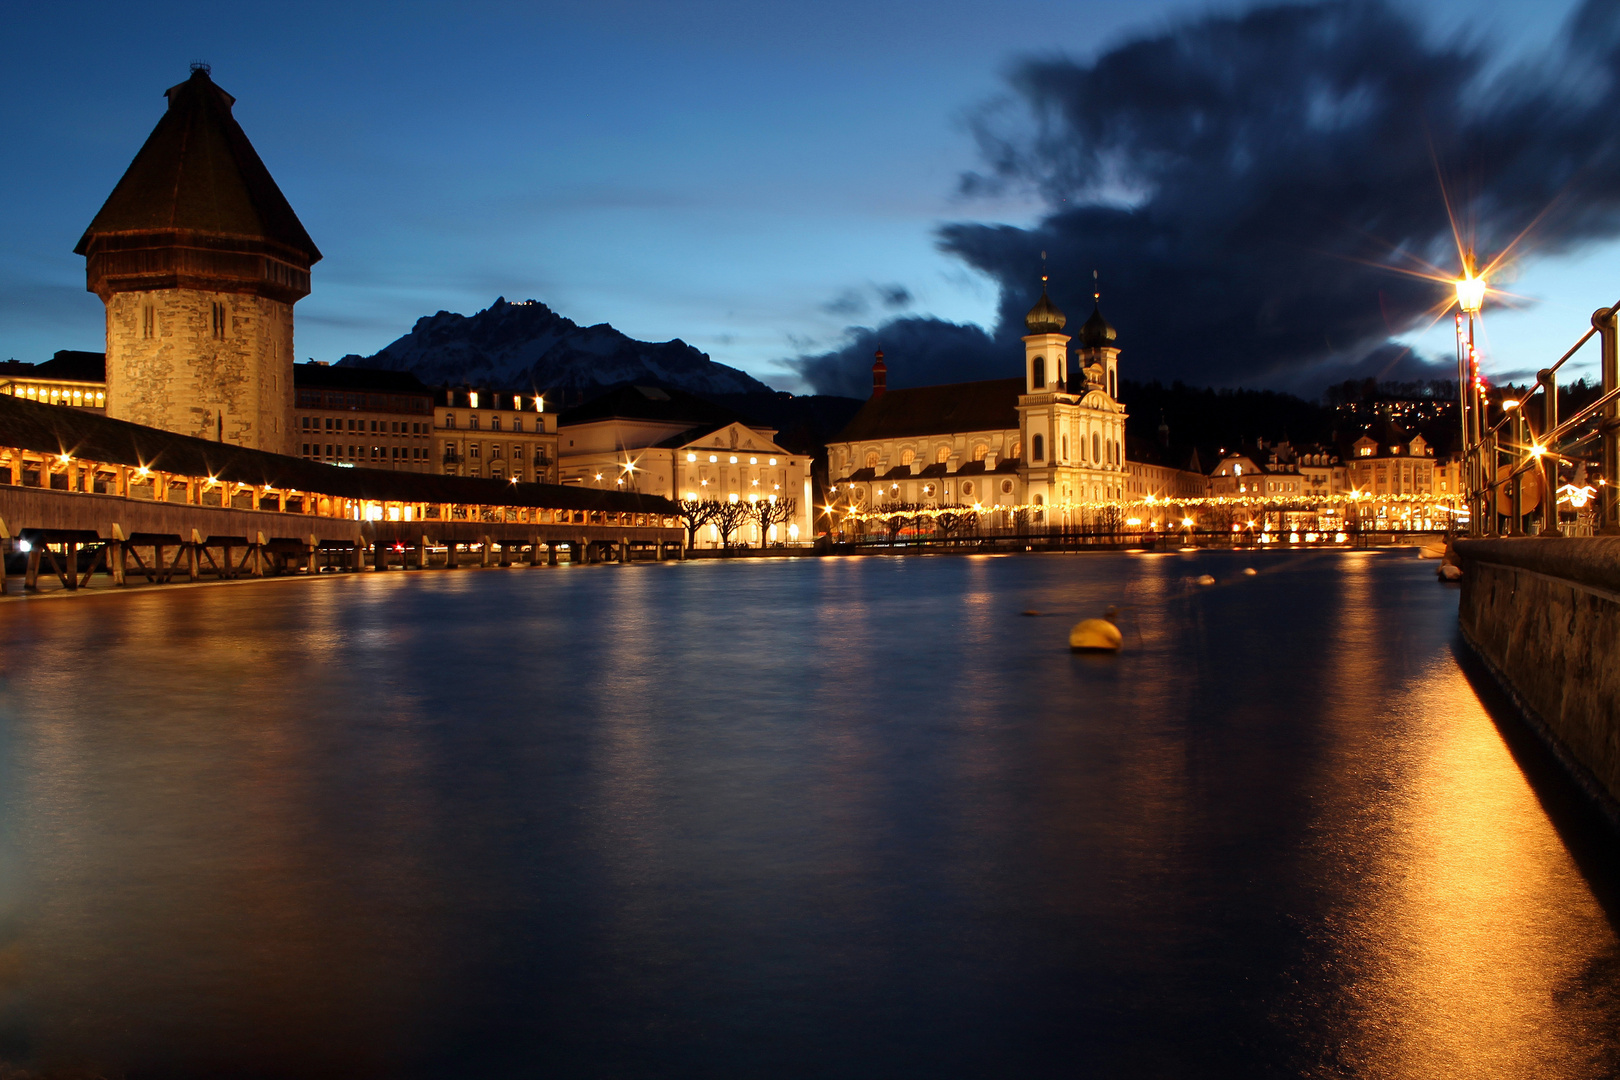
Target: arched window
{"x":1038,"y":445}
{"x":942,"y":455}
{"x":980,"y":451}
{"x":907,"y":457}
{"x":1113,"y":384}
{"x":1017,"y":450}
{"x":1096,"y":447}
{"x":1039,"y":373}
{"x":871,"y":459}
{"x":1065,"y":448}
{"x":1039,"y":499}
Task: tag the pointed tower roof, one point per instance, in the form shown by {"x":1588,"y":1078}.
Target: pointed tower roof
{"x":198,"y":174}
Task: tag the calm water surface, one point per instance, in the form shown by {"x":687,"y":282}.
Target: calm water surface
{"x":853,"y":818}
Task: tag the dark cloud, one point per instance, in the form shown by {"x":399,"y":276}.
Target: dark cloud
{"x":917,"y":352}
{"x":893,"y":297}
{"x":854,"y":302}
{"x":1245,"y":182}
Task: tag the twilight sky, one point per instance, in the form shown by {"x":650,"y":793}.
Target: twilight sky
{"x":775,"y":184}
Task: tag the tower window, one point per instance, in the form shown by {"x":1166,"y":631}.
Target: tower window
{"x":1037,"y":446}
{"x":148,"y":322}
{"x":1038,"y":379}
{"x":219,"y":319}
{"x":1096,"y":447}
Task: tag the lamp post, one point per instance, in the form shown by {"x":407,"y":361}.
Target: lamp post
{"x":1470,"y":298}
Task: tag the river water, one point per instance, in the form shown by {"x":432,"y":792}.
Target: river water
{"x":843,"y":817}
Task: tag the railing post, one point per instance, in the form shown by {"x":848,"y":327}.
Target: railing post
{"x":1549,"y":459}
{"x":1609,"y":425}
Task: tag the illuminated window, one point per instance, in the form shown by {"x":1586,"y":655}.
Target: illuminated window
{"x":1017,"y":450}
{"x":907,"y":457}
{"x":871,"y":459}
{"x":980,"y":451}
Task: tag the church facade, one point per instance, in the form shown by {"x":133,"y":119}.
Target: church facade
{"x":1047,"y":443}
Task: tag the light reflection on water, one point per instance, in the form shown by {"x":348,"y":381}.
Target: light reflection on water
{"x":851,"y":816}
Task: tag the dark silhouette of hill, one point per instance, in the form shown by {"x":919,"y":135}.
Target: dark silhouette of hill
{"x":526,"y":346}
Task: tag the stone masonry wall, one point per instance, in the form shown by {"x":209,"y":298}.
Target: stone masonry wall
{"x":1545,"y":615}
{"x":168,"y":370}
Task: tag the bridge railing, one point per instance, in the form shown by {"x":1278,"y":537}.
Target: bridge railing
{"x":1531,"y":443}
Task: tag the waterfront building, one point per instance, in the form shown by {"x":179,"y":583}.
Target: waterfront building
{"x":199,"y":259}
{"x":664,"y":441}
{"x":501,"y":434}
{"x":363,"y":416}
{"x":70,"y":377}
{"x":1039,"y":443}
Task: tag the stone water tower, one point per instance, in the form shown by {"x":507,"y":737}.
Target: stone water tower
{"x":199,"y":260}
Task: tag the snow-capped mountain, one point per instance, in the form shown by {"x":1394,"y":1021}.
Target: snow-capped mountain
{"x":527,"y":345}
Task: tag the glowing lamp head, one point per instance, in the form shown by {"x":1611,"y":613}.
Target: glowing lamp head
{"x":1471,"y":293}
{"x":1510,"y":403}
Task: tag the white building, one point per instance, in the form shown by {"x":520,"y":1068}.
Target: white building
{"x":1048,"y":444}
{"x":663,"y":441}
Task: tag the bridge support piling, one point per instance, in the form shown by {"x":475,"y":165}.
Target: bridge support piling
{"x":486,"y":552}
{"x":119,"y":552}
{"x":31,"y":568}
{"x":624,"y":550}
{"x":551,"y":553}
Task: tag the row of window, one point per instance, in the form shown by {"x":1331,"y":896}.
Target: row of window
{"x":378,"y":427}
{"x":359,"y":453}
{"x":494,"y":423}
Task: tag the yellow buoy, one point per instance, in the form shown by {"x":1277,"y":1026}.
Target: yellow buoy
{"x":1095,"y":635}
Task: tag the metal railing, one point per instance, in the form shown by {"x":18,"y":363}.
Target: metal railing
{"x":1515,"y":436}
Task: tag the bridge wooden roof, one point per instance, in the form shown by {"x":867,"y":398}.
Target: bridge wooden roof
{"x":60,"y":429}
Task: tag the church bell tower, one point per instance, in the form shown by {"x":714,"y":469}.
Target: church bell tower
{"x":199,"y":260}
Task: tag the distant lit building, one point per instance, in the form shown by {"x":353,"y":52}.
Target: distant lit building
{"x":1044,"y":443}
{"x":363,"y":416}
{"x":664,"y":441}
{"x":500,"y":434}
{"x":70,"y":377}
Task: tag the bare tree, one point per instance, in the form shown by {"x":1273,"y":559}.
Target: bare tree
{"x":768,"y":512}
{"x":696,"y":513}
{"x":728,"y":518}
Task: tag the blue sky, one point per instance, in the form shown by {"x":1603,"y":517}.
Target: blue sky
{"x":750,"y":178}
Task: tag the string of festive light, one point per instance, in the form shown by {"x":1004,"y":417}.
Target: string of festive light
{"x":1442,"y":503}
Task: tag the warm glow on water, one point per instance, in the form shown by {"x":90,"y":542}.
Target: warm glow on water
{"x":850,"y":817}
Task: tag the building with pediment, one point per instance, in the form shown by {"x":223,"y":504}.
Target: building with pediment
{"x":1048,"y":443}
{"x":663,"y":441}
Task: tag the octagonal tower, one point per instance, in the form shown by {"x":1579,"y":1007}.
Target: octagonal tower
{"x":199,"y":260}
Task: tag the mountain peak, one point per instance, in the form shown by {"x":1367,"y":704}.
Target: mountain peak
{"x":526,"y":345}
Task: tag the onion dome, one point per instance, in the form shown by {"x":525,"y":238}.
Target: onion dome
{"x":1044,"y":317}
{"x":1096,"y":333}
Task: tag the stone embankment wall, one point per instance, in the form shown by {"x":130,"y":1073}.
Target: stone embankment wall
{"x":1544,"y":614}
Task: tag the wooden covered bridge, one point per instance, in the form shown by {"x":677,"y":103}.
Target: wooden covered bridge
{"x":82,"y":494}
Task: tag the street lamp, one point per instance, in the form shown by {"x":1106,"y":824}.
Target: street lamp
{"x":1470,"y":293}
{"x":1470,"y":298}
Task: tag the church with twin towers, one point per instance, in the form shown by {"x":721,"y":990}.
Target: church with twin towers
{"x":1047,"y":443}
